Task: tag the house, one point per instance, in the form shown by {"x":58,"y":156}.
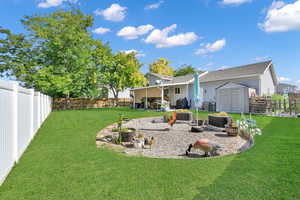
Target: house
{"x":284,"y":88}
{"x":125,"y":94}
{"x":229,"y":88}
{"x":164,"y":88}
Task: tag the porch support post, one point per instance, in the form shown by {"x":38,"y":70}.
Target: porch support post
{"x":146,"y":102}
{"x":187,"y":95}
{"x":187,"y":91}
{"x":133,"y":99}
{"x":162,"y":95}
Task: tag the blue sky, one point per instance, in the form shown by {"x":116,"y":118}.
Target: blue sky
{"x":209,"y":34}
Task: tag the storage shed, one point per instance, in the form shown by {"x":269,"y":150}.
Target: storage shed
{"x":233,"y":97}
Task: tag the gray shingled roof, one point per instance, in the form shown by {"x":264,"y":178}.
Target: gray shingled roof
{"x":181,"y":79}
{"x":160,"y":76}
{"x":236,"y":72}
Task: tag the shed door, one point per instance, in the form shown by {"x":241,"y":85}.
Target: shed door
{"x":230,"y":100}
{"x":225,"y":100}
{"x":236,"y":100}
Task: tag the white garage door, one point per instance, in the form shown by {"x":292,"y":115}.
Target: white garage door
{"x":230,"y":100}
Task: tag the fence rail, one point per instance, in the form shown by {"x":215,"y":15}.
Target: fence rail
{"x":22,"y":111}
{"x":84,"y":103}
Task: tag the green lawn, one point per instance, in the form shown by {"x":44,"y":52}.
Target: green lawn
{"x":63,"y":163}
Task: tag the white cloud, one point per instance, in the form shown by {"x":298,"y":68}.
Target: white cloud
{"x":131,"y":32}
{"x":284,"y":79}
{"x":114,"y":13}
{"x":162,"y":40}
{"x":234,"y":2}
{"x":138,"y":53}
{"x":50,"y":3}
{"x":101,"y":30}
{"x":282,"y":17}
{"x":298,"y":81}
{"x":54,"y":3}
{"x":211,"y":47}
{"x":154,"y":6}
{"x":262,"y":58}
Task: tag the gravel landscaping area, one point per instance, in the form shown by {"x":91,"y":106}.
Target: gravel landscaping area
{"x":172,"y":142}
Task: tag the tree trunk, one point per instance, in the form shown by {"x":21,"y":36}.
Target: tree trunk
{"x":67,"y":106}
{"x":117,"y":99}
{"x":116,"y":95}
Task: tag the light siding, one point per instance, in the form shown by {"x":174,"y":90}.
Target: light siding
{"x":267,"y":84}
{"x":209,"y":88}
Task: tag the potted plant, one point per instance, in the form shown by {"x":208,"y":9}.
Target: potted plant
{"x":127,"y":134}
{"x":232,"y":129}
{"x":248,"y":128}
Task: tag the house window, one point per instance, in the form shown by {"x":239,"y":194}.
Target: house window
{"x":177,"y":90}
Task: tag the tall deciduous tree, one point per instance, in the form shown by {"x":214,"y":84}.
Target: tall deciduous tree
{"x":121,"y":71}
{"x":185,"y":70}
{"x":58,"y":55}
{"x":15,"y":55}
{"x":161,"y":66}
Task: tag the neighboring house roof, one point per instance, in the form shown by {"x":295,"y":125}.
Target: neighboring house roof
{"x":238,"y":72}
{"x":160,"y":76}
{"x":287,"y":85}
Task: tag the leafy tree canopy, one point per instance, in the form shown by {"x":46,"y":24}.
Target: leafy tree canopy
{"x":185,"y":70}
{"x":57,"y":56}
{"x":161,"y":66}
{"x":120,"y":71}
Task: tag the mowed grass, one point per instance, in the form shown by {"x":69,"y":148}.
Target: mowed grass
{"x":63,"y":163}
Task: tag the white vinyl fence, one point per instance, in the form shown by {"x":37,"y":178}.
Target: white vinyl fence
{"x":22,"y":111}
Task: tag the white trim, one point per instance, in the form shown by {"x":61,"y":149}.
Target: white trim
{"x":170,"y":84}
{"x":267,"y":67}
{"x":273,"y":73}
{"x":146,"y":100}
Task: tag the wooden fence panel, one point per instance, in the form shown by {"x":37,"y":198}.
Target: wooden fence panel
{"x":86,"y":103}
{"x":265,"y":105}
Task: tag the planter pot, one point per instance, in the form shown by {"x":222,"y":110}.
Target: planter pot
{"x":232,"y":131}
{"x":127,"y":136}
{"x":201,"y":122}
{"x":218,"y":121}
{"x":196,"y":129}
{"x":184,"y":116}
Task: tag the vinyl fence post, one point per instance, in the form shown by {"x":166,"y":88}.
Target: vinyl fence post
{"x":31,"y":105}
{"x":14,"y":121}
{"x":38,"y":100}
